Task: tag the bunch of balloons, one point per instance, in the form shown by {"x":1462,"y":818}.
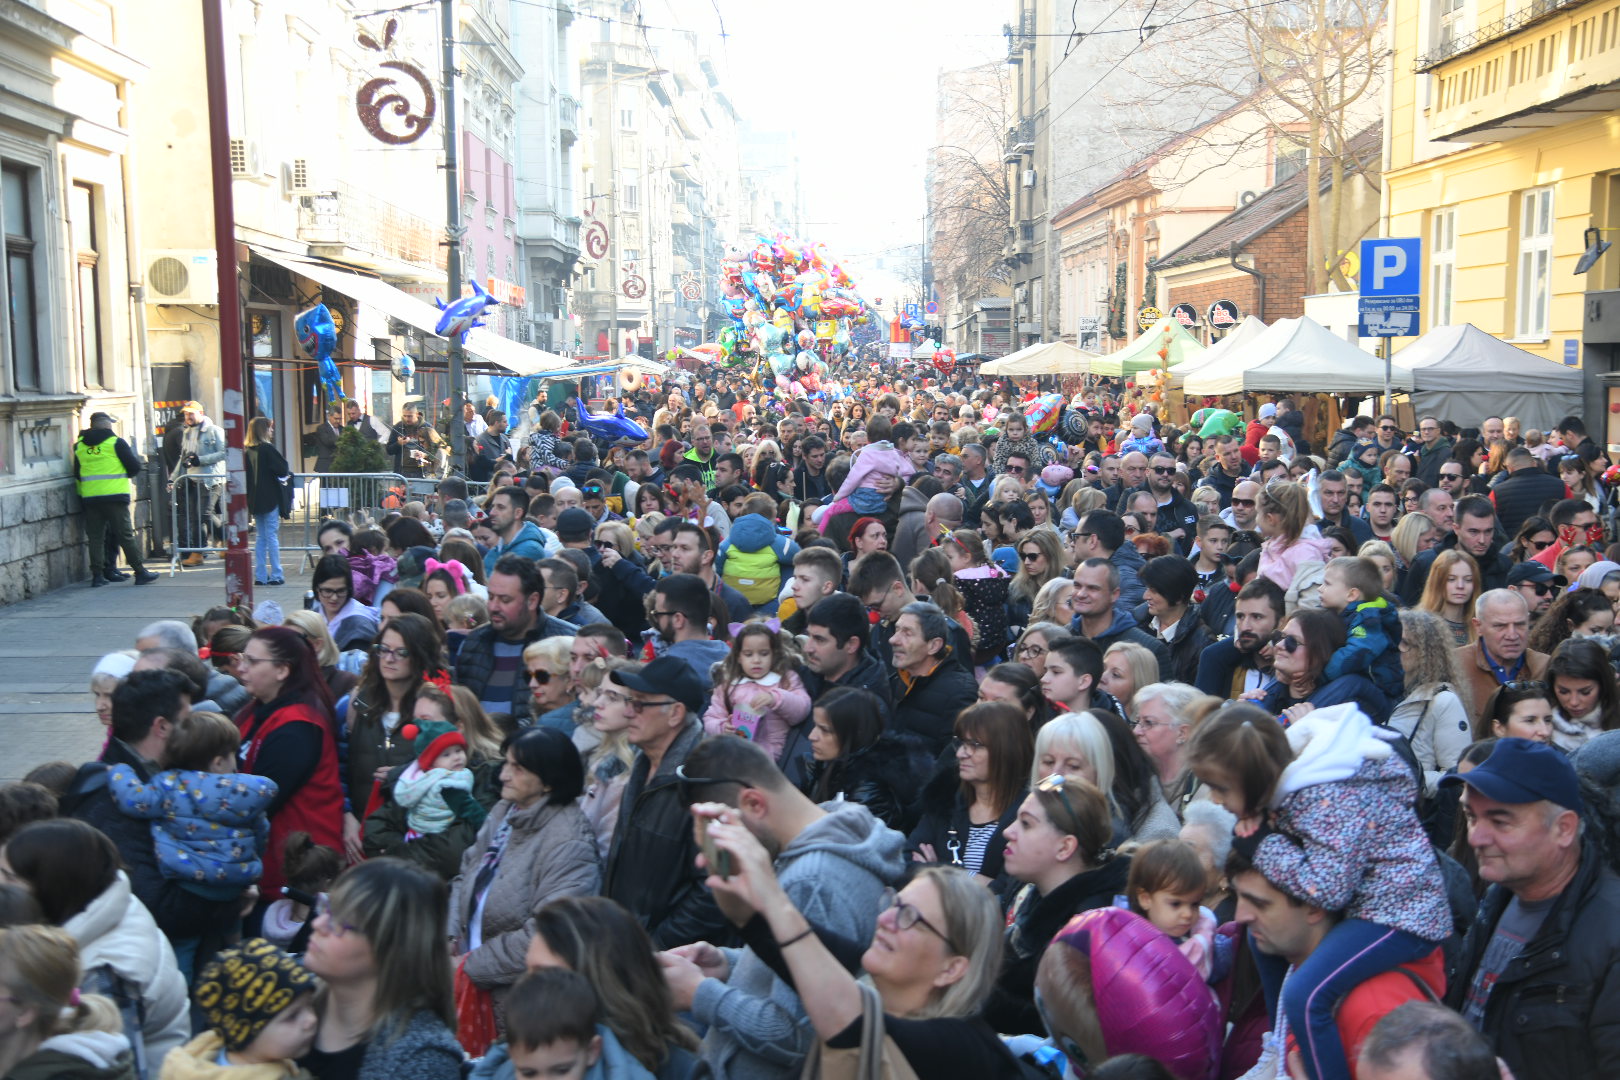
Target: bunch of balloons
{"x":792,"y":307}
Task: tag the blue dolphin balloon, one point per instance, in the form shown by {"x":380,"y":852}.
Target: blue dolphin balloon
{"x":317,"y":333}
{"x":464,"y":314}
{"x":616,"y":426}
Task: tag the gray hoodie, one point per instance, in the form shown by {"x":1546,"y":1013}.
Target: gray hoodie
{"x":835,"y":873}
{"x":700,"y":656}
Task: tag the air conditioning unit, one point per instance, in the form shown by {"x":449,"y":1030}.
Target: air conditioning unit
{"x":246,"y":162}
{"x":1029,"y":178}
{"x":1244,"y":198}
{"x":303,"y":178}
{"x":182,"y":276}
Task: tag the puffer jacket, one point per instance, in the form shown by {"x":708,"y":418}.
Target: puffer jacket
{"x":874,"y":776}
{"x":925,"y":706}
{"x":910,"y":531}
{"x":1346,"y":836}
{"x":1191,"y":638}
{"x":1554,"y":1010}
{"x":83,"y":1055}
{"x":1372,"y":645}
{"x":550,"y":854}
{"x":116,"y":933}
{"x":1124,"y":628}
{"x":475,"y":660}
{"x":210,"y":829}
{"x":620,"y":594}
{"x":754,"y":558}
{"x":439,"y":852}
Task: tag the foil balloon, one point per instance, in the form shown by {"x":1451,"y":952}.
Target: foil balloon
{"x":317,"y":333}
{"x":1042,"y":413}
{"x":610,"y":426}
{"x":464,"y":315}
{"x":1142,"y":995}
{"x":403,"y":367}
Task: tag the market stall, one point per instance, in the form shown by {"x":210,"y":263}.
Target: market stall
{"x":1165,"y":342}
{"x":1463,"y":372}
{"x":1295,"y":356}
{"x":1046,"y":358}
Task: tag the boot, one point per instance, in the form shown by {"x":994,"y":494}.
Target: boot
{"x":144,"y":577}
{"x":114,"y":574}
{"x":194,"y":559}
{"x":97,"y":579}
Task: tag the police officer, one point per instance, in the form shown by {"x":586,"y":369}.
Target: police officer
{"x":102,"y":466}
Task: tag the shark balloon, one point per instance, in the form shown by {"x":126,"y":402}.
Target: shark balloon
{"x":610,"y":427}
{"x":317,"y":333}
{"x":465,"y":314}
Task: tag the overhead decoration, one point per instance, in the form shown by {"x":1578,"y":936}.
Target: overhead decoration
{"x":464,"y":315}
{"x":317,"y":334}
{"x":396,"y":109}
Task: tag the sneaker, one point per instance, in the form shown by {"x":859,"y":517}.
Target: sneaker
{"x":277,"y":581}
{"x":145,"y":577}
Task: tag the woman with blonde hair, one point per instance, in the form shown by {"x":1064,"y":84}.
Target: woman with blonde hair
{"x":1127,"y":668}
{"x":1383,"y":557}
{"x":1450,"y":591}
{"x":1080,"y":499}
{"x":54,"y":1031}
{"x":608,"y":762}
{"x":1432,"y":715}
{"x":1040,"y":560}
{"x":1052,"y":602}
{"x":1414,"y":534}
{"x":545,"y":667}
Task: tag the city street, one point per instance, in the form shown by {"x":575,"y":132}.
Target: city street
{"x":53,"y":641}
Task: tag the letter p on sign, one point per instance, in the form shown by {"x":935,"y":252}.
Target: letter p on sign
{"x":1392,"y":266}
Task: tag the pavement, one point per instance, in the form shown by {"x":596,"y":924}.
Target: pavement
{"x":46,"y":711}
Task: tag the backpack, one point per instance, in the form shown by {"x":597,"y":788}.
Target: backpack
{"x":755,"y":574}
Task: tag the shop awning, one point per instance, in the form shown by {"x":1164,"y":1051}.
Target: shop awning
{"x":514,"y":356}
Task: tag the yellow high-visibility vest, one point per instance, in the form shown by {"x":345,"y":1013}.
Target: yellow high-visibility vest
{"x":100,"y":471}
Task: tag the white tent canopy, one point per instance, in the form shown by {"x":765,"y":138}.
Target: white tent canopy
{"x":1245,"y":332}
{"x":1464,"y":374}
{"x":1296,"y":356}
{"x":1045,"y":358}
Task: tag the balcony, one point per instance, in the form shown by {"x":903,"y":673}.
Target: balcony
{"x":568,"y":119}
{"x":356,"y":227}
{"x":1020,"y":141}
{"x":1549,"y":64}
{"x":680,"y":216}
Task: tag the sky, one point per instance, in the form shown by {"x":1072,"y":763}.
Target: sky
{"x":855,"y":81}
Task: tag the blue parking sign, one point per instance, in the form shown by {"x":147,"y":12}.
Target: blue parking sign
{"x":1392,"y":266}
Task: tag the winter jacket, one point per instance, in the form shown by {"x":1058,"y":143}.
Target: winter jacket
{"x":1187,"y":644}
{"x":543,"y":450}
{"x":620,"y":594}
{"x":1129,"y":562}
{"x":1493,"y":570}
{"x":180,"y":914}
{"x":1372,"y":645}
{"x":423,"y":1049}
{"x":1178,"y":513}
{"x":1218,"y":667}
{"x":943,"y":824}
{"x":421,"y":792}
{"x":651,"y":868}
{"x":83,"y":1055}
{"x":910,"y":532}
{"x":1434,"y":722}
{"x":615,"y":1062}
{"x":116,"y":933}
{"x":475,"y":660}
{"x":1124,"y":628}
{"x":1359,"y":529}
{"x":752,"y":558}
{"x":1347,"y":688}
{"x":439,"y":852}
{"x":1480,"y":682}
{"x":209,"y":829}
{"x":1554,"y":1010}
{"x":1033,"y":922}
{"x":700,"y":656}
{"x":925,"y":706}
{"x":1426,"y":461}
{"x":310,"y":798}
{"x":834,"y":872}
{"x":1282,"y":563}
{"x":369,"y":572}
{"x":268,"y":477}
{"x":199,"y":1060}
{"x":527,"y":542}
{"x":1346,"y":836}
{"x":1215,"y":478}
{"x":371,"y":745}
{"x":1344,"y":440}
{"x":875,"y":776}
{"x":790,"y":705}
{"x":550,"y":853}
{"x":1522,"y":494}
{"x":207,"y":441}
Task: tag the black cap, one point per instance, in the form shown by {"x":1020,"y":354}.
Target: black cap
{"x":575,"y":524}
{"x":98,"y":417}
{"x":666,"y":675}
{"x":1535,"y":573}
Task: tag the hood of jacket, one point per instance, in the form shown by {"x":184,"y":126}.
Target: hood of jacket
{"x":752,"y":532}
{"x":911,"y":499}
{"x":1123,"y":621}
{"x":529,"y":531}
{"x":94,"y":436}
{"x":1127,"y":555}
{"x":116,"y":930}
{"x":83,"y":1055}
{"x":849,"y":832}
{"x":1330,"y":745}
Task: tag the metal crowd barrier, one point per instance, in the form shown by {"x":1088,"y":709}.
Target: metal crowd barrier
{"x":360,"y":499}
{"x":196,"y":517}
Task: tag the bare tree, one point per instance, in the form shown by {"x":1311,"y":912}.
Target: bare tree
{"x":969,"y":194}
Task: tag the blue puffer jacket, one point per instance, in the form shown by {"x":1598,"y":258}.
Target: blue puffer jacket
{"x":616,"y":1063}
{"x":1372,"y":645}
{"x":209,"y":828}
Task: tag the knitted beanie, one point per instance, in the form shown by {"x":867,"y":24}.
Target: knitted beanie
{"x":432,"y":739}
{"x":244,"y":988}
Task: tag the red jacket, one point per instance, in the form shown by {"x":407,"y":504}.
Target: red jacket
{"x":315,"y":808}
{"x":1380,"y":995}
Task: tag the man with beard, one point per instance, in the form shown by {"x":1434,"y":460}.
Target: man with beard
{"x":1537,"y":584}
{"x":1176,"y":517}
{"x":413,"y":444}
{"x":1231,"y":666}
{"x":1473,"y":531}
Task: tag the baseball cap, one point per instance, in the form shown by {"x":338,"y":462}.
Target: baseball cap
{"x":667,"y":675}
{"x":1520,"y":771}
{"x":96,"y":418}
{"x":574,"y":524}
{"x":1534,"y":573}
{"x":192,"y":406}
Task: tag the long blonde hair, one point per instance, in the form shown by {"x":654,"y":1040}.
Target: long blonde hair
{"x":460,"y":708}
{"x":973,"y":923}
{"x":39,"y":965}
{"x":313,"y":627}
{"x":614,"y":744}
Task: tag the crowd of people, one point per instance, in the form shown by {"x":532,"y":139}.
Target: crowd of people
{"x":882,"y":736}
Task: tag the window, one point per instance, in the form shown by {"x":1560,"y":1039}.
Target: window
{"x":1442,"y":264}
{"x":627,"y":119}
{"x":17,"y":226}
{"x":1535,"y":262}
{"x":629,"y":190}
{"x":1291,"y":159}
{"x":87,"y":284}
{"x":1453,"y":18}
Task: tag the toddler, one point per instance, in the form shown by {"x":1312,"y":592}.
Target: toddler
{"x":751,"y":560}
{"x":554,"y":1029}
{"x":757,"y":693}
{"x":1166,"y":887}
{"x":372,"y":570}
{"x":260,"y":1007}
{"x":309,"y":870}
{"x":209,"y":822}
{"x":1325,"y":814}
{"x":983,"y":586}
{"x":436,"y":788}
{"x":1354,"y":587}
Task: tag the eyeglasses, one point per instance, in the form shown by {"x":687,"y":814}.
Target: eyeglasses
{"x":906,"y":916}
{"x":973,"y":746}
{"x":1245,"y":502}
{"x":637,"y":706}
{"x":332,"y":594}
{"x":336,"y":926}
{"x":686,"y":784}
{"x":251,"y":660}
{"x":1288,"y":643}
{"x":540,"y":675}
{"x":1149,"y":725}
{"x":1034,"y":650}
{"x":1053,"y":784}
{"x":385,"y":653}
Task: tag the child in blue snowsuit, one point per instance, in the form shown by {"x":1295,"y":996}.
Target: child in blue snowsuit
{"x":1353,"y":587}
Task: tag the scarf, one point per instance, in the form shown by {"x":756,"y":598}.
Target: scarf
{"x":492,"y":857}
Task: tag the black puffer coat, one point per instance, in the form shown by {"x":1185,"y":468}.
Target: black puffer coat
{"x":876,"y":777}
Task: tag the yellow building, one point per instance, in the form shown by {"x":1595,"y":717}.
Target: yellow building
{"x":1504,"y":150}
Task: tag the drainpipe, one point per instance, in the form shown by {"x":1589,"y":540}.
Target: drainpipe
{"x":1259,"y":284}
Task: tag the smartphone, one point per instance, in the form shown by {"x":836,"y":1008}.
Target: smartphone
{"x":718,"y":859}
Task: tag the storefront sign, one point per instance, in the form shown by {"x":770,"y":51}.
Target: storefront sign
{"x":1185,"y":314}
{"x":1147,"y":315}
{"x":504,"y":291}
{"x":1223,"y":315}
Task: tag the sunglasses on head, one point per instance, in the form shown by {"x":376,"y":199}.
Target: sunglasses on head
{"x":1288,"y":643}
